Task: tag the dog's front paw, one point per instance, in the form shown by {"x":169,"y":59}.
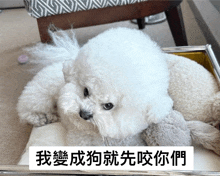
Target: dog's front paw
{"x":68,"y":100}
{"x":153,"y":115}
{"x":157,"y":111}
{"x":41,"y":119}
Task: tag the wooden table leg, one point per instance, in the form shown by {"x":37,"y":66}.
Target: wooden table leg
{"x":175,"y":21}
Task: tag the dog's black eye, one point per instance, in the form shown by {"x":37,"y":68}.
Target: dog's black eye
{"x":86,"y":92}
{"x":108,"y":106}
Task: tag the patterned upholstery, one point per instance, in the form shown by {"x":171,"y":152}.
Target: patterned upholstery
{"x":43,"y":8}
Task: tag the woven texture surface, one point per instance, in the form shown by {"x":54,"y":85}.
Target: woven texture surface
{"x":43,"y":8}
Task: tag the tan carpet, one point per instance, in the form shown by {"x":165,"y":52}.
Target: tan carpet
{"x":18,"y":30}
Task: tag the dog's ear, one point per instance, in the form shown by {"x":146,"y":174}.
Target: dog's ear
{"x":68,"y":99}
{"x":67,"y":103}
{"x":68,"y":70}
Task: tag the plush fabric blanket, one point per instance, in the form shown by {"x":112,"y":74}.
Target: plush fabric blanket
{"x":54,"y":135}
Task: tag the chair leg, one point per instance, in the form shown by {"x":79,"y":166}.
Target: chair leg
{"x":175,"y":21}
{"x":43,"y":31}
{"x":141,"y":23}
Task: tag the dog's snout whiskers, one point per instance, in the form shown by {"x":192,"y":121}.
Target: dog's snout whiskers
{"x":105,"y":139}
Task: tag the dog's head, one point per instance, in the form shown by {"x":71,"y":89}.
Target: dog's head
{"x":117,"y":89}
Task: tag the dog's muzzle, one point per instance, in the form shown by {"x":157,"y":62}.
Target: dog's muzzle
{"x":85,"y":115}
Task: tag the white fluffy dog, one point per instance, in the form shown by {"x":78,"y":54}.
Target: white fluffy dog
{"x":118,"y":81}
{"x":113,"y":88}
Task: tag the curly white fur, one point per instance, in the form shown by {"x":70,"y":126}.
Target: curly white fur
{"x":123,"y":67}
{"x":193,"y":90}
{"x":120,"y":66}
{"x":38,"y":102}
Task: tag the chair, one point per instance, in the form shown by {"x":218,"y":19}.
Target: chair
{"x":63,"y":13}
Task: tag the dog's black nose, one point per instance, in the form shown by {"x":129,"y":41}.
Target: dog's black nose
{"x":85,"y":114}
